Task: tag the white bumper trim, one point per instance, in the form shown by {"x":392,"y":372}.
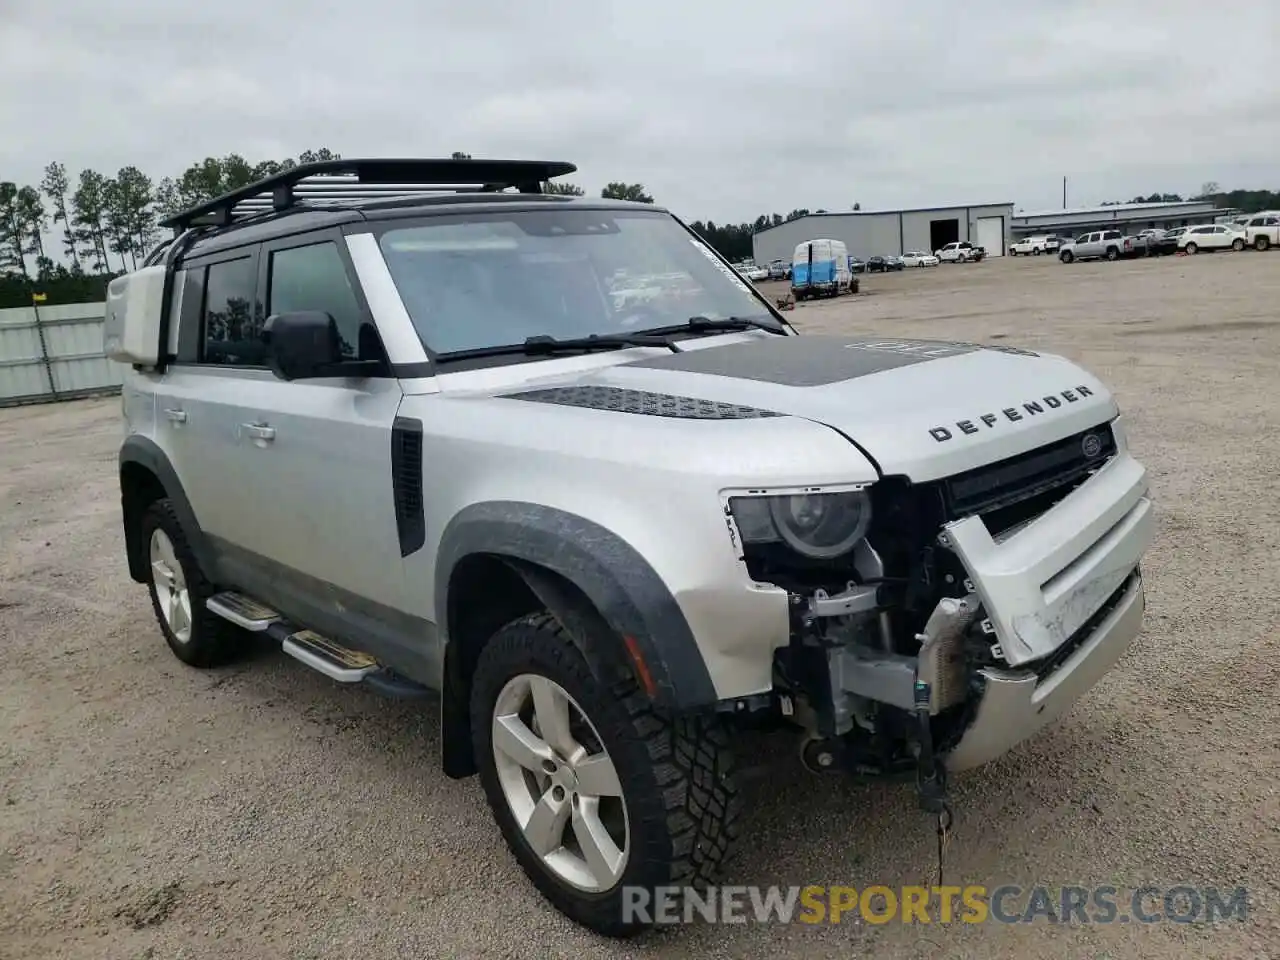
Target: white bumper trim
{"x":1015,"y":705}
{"x":1039,"y":585}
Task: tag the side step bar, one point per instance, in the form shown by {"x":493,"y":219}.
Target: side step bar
{"x":321,"y":654}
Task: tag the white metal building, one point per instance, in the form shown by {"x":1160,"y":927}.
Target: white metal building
{"x":1129,"y":217}
{"x":889,"y":232}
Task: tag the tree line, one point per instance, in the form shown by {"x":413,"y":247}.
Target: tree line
{"x":104,"y":224}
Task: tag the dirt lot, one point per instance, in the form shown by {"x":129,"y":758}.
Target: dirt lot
{"x":150,"y":810}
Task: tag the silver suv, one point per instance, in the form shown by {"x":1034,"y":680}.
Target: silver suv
{"x":552,"y":462}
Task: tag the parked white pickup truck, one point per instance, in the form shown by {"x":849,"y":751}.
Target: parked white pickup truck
{"x":1034,"y":246}
{"x":960,"y":252}
{"x":1263,"y":230}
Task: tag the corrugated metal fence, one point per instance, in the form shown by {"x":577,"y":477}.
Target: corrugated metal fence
{"x":54,"y":353}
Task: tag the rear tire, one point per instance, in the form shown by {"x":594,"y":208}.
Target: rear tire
{"x":660,"y":803}
{"x":1261,"y":243}
{"x":1113,"y":253}
{"x":179,"y":590}
{"x":1191,"y":249}
{"x":1237,"y":245}
{"x":1036,"y":252}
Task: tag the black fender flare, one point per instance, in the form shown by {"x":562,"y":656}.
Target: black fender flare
{"x":625,"y":590}
{"x":145,"y":452}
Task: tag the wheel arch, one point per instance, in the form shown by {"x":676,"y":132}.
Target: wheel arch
{"x":146,"y":475}
{"x":500,"y":560}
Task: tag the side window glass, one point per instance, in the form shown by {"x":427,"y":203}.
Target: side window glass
{"x":232,"y":332}
{"x":315,"y":278}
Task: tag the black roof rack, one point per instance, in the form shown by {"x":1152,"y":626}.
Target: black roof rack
{"x":331,"y":181}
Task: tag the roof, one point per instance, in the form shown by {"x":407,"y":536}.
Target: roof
{"x":1113,"y":207}
{"x":887,"y":213}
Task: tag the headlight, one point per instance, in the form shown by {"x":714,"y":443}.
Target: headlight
{"x":817,"y":525}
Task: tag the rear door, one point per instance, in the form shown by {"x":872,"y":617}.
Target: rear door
{"x":196,"y":396}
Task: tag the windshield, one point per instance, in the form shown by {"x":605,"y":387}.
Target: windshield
{"x":481,"y":280}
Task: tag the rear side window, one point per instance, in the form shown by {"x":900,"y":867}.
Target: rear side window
{"x":232,"y":328}
{"x":314,"y":277}
{"x":1111,"y":235}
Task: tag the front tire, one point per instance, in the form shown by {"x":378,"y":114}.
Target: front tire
{"x":179,"y":590}
{"x":593,"y":789}
{"x":1066,"y":256}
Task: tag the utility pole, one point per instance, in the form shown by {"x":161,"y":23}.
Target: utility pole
{"x":1064,"y":193}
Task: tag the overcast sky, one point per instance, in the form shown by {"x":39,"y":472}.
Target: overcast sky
{"x":722,"y":109}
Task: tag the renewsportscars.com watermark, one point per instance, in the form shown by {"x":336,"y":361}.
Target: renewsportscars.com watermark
{"x":942,"y":904}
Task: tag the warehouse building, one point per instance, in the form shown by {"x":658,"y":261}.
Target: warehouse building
{"x":891,"y":232}
{"x":1129,"y":217}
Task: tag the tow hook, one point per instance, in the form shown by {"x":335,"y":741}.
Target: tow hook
{"x":931,"y":776}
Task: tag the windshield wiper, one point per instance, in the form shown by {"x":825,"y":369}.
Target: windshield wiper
{"x":706,"y":324}
{"x":544,"y":345}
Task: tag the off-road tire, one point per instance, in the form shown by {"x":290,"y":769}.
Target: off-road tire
{"x":213,"y":641}
{"x":675,"y":772}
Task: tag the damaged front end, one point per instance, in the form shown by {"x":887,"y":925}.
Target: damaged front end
{"x":971,"y":611}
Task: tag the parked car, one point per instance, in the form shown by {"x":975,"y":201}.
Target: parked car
{"x":894,"y":262}
{"x":961,"y":251}
{"x":1211,"y":236}
{"x":820,"y":268}
{"x":1053,"y":243}
{"x":856,"y":265}
{"x":1099,"y":245}
{"x":1263,"y":230}
{"x":918,"y":258}
{"x":1163,"y":242}
{"x":753,"y":272}
{"x":779,"y":270}
{"x":1030,"y":246}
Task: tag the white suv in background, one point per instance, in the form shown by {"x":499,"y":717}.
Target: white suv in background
{"x":1263,"y":230}
{"x":1211,"y":236}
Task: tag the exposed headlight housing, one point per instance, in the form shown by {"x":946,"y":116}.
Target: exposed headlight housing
{"x":821,"y":526}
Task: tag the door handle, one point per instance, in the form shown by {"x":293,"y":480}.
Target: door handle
{"x":177,"y":416}
{"x":260,"y":432}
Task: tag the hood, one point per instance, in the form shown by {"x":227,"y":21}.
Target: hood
{"x":919,"y":408}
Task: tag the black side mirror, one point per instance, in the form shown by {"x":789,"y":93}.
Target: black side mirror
{"x":302,"y":344}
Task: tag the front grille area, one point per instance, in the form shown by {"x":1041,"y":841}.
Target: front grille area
{"x":1012,"y":491}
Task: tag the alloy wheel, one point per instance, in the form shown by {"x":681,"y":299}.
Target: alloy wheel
{"x":171,"y":586}
{"x":560,"y":783}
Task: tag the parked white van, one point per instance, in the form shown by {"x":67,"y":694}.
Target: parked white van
{"x":820,"y":268}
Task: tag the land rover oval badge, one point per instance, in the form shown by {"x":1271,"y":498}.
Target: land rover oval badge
{"x":1091,"y":445}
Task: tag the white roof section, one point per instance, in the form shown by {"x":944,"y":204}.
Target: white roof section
{"x":1117,"y":207}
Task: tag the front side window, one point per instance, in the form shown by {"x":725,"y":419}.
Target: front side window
{"x":315,"y":278}
{"x":493,"y":279}
{"x":232,"y":328}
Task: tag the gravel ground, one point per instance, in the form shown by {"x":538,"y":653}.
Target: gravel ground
{"x":150,"y":810}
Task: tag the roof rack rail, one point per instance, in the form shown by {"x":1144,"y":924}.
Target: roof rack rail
{"x":332,"y":181}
